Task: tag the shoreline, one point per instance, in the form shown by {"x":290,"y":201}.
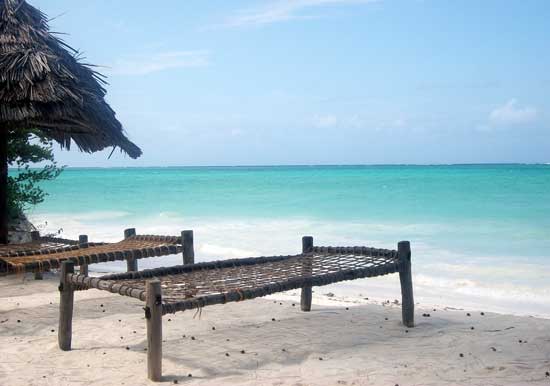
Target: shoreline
{"x":440,"y":277}
{"x":333,"y":344}
{"x":381,"y":290}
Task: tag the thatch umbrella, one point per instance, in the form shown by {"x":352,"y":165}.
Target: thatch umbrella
{"x":44,"y":86}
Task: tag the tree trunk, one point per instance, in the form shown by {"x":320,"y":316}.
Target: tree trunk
{"x":3,"y":186}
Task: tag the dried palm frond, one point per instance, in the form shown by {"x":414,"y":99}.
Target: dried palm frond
{"x":44,"y":85}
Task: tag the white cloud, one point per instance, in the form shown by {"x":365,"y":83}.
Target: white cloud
{"x":355,"y":122}
{"x":236,"y":132}
{"x":325,"y":121}
{"x":277,"y":11}
{"x":162,"y":61}
{"x":398,"y":123}
{"x":511,"y":114}
{"x":358,"y":122}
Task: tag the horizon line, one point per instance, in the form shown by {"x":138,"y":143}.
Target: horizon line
{"x":307,"y":165}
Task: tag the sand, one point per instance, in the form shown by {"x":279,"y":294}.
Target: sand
{"x":265,"y":342}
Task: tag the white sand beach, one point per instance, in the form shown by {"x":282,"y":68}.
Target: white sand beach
{"x":265,"y":342}
{"x":394,"y":151}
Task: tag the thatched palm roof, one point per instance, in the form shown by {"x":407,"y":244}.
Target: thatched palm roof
{"x":44,"y":85}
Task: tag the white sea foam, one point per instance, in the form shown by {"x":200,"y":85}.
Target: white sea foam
{"x":226,"y":252}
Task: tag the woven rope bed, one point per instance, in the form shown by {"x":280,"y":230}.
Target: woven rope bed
{"x":200,"y":285}
{"x":193,"y":286}
{"x":36,"y":244}
{"x":48,"y":253}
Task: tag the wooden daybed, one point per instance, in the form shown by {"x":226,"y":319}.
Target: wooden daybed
{"x":192,"y":286}
{"x":46,"y":253}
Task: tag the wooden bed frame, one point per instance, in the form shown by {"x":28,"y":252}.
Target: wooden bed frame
{"x":46,"y":253}
{"x":193,"y":286}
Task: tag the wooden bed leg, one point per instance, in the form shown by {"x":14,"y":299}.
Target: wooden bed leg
{"x":305,"y":298}
{"x":153,"y":315}
{"x":131,"y":263}
{"x":407,"y":299}
{"x":83,"y":239}
{"x":188,"y":249}
{"x":35,"y":236}
{"x":65,"y":330}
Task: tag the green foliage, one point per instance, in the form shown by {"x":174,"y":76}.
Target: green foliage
{"x":25,"y":148}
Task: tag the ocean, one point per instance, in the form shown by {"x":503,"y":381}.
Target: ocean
{"x":480,"y":234}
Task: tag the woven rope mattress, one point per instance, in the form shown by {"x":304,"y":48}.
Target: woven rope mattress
{"x":41,"y":244}
{"x":47,"y":254}
{"x":198,"y":285}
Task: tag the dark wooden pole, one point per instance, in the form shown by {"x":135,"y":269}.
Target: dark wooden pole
{"x":188,"y":249}
{"x":131,"y":263}
{"x":153,"y":315}
{"x":305,"y":298}
{"x":3,"y":186}
{"x":65,"y":330}
{"x":35,"y":236}
{"x":405,"y":276}
{"x":83,"y":239}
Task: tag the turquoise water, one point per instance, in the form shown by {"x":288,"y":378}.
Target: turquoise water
{"x":483,"y":229}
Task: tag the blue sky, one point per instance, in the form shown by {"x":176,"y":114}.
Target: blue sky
{"x":216,"y":82}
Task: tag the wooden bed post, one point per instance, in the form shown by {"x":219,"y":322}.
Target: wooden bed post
{"x":83,"y":239}
{"x":35,"y":236}
{"x":305,"y":298}
{"x":407,"y":300}
{"x":188,"y":249}
{"x":131,"y":263}
{"x":4,"y":138}
{"x":153,"y":315}
{"x":65,"y":330}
